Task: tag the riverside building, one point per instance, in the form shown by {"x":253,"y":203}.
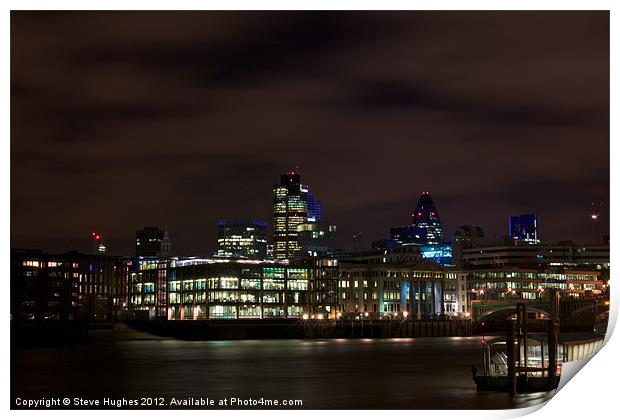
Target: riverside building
{"x":491,"y":288}
{"x":198,"y":288}
{"x":399,"y":282}
{"x":67,"y":286}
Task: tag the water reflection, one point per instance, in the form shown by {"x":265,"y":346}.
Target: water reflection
{"x":403,"y":373}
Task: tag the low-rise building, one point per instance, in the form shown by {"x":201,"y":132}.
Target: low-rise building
{"x":417,"y":288}
{"x":566,"y":254}
{"x":490,"y":288}
{"x":199,"y":288}
{"x":67,"y":286}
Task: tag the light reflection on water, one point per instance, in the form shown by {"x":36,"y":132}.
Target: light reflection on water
{"x":404,"y":373}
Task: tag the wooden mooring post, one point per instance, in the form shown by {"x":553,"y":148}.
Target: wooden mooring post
{"x":510,"y":353}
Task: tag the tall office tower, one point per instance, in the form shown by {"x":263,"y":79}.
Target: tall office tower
{"x":290,"y":208}
{"x":270,"y":252}
{"x":426,"y":221}
{"x":524,"y":228}
{"x":148,"y":241}
{"x":242,"y":239}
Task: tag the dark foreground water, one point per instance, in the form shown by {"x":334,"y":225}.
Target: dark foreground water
{"x":421,"y":373}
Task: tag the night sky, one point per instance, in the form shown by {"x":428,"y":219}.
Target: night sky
{"x":120,"y":120}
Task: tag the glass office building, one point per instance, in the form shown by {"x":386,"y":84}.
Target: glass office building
{"x":199,"y":288}
{"x":524,"y":228}
{"x":290,"y":209}
{"x":242,"y":239}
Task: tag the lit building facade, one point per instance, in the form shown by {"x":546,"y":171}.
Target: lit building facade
{"x":493,"y":288}
{"x":316,"y":239}
{"x":426,"y":221}
{"x":399,"y":282}
{"x":505,"y":274}
{"x":290,"y":209}
{"x":425,"y":228}
{"x":440,"y":254}
{"x":68,"y":286}
{"x":416,"y":291}
{"x":567,"y":255}
{"x":238,"y":289}
{"x":315,"y":208}
{"x":524,"y":228}
{"x":242,"y":239}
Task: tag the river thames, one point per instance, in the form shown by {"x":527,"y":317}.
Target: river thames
{"x":401,"y":373}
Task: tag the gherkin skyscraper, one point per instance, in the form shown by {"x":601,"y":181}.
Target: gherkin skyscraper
{"x":426,"y":222}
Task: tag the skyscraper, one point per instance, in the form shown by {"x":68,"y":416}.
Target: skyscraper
{"x":524,"y":228}
{"x":426,"y":223}
{"x":241,"y":239}
{"x":425,"y":227}
{"x":290,"y":208}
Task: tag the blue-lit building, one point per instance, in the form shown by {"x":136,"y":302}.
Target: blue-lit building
{"x":440,"y":254}
{"x":385,"y":244}
{"x":524,"y":228}
{"x":426,"y":222}
{"x":315,"y":208}
{"x":425,"y":227}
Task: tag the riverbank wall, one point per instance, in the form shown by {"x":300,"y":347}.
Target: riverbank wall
{"x":279,"y":329}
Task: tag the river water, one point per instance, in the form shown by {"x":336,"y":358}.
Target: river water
{"x":403,"y":373}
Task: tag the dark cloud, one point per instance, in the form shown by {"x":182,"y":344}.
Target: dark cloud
{"x":124,"y":119}
{"x":387,"y":96}
{"x":267,"y":45}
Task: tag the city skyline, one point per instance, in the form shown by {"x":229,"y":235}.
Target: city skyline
{"x":258,"y":209}
{"x":344,"y":244}
{"x":187,"y":127}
